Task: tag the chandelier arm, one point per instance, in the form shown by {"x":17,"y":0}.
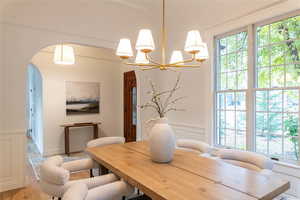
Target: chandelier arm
{"x":181,"y":62}
{"x":184,"y":61}
{"x":155,"y":67}
{"x":186,"y":66}
{"x":140,"y":65}
{"x":151,"y":60}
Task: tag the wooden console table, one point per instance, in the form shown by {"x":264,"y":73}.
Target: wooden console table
{"x":77,"y":125}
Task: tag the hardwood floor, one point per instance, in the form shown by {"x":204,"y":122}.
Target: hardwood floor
{"x":32,"y":191}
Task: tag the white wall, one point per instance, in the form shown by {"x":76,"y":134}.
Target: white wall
{"x":92,"y":65}
{"x":12,"y":143}
{"x":1,"y":69}
{"x":1,"y":77}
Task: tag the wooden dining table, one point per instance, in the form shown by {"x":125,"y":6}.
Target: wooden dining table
{"x":188,"y":177}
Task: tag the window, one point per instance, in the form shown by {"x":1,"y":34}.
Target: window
{"x":260,"y":114}
{"x":231,"y":90}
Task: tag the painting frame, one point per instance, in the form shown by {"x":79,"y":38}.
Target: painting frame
{"x":82,"y":97}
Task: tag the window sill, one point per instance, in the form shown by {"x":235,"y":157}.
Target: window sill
{"x":286,"y":164}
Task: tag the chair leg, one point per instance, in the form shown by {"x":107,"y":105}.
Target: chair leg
{"x":123,"y":198}
{"x":91,"y":173}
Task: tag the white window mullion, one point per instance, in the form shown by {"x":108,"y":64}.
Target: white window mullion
{"x":250,"y":134}
{"x":282,"y":122}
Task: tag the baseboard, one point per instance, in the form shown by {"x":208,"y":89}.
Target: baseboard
{"x":53,"y":151}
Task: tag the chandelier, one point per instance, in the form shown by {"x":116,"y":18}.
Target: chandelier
{"x":145,"y":45}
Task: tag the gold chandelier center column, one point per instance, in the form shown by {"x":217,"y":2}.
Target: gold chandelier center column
{"x":163,"y":46}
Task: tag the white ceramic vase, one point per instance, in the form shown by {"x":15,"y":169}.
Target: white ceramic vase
{"x":162,"y":142}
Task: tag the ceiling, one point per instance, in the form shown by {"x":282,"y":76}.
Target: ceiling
{"x":110,"y":20}
{"x":204,"y":13}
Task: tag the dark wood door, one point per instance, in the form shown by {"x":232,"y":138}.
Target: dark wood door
{"x":130,"y":106}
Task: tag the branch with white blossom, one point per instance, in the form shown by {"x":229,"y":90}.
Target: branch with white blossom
{"x":162,"y":101}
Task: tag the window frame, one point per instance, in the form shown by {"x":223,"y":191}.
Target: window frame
{"x":216,"y":91}
{"x":251,"y":30}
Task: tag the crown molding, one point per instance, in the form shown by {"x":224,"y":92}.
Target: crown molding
{"x":208,"y":28}
{"x":109,"y":43}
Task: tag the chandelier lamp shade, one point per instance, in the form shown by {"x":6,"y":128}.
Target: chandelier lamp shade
{"x":125,"y":49}
{"x":64,"y":55}
{"x":145,"y":41}
{"x":203,"y":54}
{"x":145,"y":45}
{"x":193,"y":42}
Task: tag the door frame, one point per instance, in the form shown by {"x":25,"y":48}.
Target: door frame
{"x":127,"y":125}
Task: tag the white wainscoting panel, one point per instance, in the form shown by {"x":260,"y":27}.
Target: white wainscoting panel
{"x":290,"y":173}
{"x":12,"y":160}
{"x":188,"y":131}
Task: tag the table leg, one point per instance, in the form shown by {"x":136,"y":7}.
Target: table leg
{"x":67,"y":141}
{"x":96,"y":131}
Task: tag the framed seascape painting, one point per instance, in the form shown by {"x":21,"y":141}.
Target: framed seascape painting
{"x":82,"y":97}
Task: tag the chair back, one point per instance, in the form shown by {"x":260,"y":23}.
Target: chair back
{"x":53,"y":177}
{"x":105,"y":141}
{"x":193,"y":145}
{"x":246,"y":159}
{"x":52,"y":172}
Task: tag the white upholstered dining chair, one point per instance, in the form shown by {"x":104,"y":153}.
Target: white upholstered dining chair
{"x":88,"y":163}
{"x":54,"y":179}
{"x":112,"y":191}
{"x":105,"y":141}
{"x":102,"y":142}
{"x":193,"y":145}
{"x":247,"y":159}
